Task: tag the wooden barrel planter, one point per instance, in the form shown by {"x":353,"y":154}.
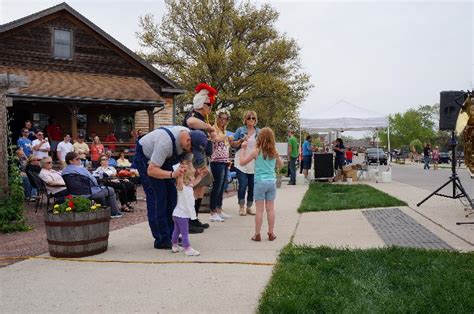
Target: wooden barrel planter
{"x":77,"y":234}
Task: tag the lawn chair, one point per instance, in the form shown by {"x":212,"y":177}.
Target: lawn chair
{"x":37,"y":183}
{"x":78,"y":185}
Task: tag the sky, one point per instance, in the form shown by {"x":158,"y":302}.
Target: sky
{"x":386,"y":56}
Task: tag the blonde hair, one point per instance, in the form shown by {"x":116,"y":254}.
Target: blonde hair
{"x":266,"y":143}
{"x":96,"y":142}
{"x":248,"y":114}
{"x":219,"y":132}
{"x":189,"y":174}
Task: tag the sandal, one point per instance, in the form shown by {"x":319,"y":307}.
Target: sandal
{"x":126,"y":210}
{"x":257,"y":238}
{"x":271,"y":236}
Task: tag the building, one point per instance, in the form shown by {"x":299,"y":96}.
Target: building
{"x":79,"y":74}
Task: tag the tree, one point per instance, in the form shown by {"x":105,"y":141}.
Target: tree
{"x":413,"y":124}
{"x":235,"y":48}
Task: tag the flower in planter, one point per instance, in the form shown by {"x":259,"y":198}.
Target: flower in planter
{"x":75,"y":204}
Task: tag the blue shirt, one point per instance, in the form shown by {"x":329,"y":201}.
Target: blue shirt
{"x":25,"y":144}
{"x":242,"y":131}
{"x":73,"y":169}
{"x":307,"y":151}
{"x":112,"y":162}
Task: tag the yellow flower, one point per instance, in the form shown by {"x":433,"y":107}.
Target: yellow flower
{"x":55,"y":212}
{"x":93,"y":207}
{"x":68,"y":209}
{"x":98,"y":205}
{"x":56,"y":206}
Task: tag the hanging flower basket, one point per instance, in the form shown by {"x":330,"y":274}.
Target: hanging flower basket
{"x":106,"y":119}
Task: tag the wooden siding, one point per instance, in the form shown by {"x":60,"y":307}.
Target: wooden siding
{"x":31,"y":47}
{"x":163,"y":118}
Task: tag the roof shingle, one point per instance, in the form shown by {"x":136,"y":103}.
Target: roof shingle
{"x":84,"y":85}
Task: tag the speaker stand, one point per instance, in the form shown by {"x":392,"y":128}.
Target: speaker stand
{"x":454,"y":179}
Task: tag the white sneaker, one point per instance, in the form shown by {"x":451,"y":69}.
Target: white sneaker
{"x":176,"y":249}
{"x":191,"y":252}
{"x":216,"y":218}
{"x":224,"y":215}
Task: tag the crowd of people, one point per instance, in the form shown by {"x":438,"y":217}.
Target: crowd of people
{"x":36,"y":154}
{"x":176,"y":165}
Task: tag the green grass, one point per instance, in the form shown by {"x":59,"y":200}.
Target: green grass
{"x":326,"y":196}
{"x":389,"y":280}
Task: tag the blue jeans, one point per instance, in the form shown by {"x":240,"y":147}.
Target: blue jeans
{"x":426,"y":160}
{"x":219,"y":172}
{"x":292,"y":168}
{"x":246,"y":184}
{"x":29,"y":191}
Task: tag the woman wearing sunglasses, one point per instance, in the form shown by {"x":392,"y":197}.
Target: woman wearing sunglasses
{"x":125,"y":189}
{"x":245,"y":173}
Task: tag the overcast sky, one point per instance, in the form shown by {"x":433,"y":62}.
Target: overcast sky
{"x":383,"y":56}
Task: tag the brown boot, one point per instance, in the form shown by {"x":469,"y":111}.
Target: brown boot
{"x":250,"y":211}
{"x":242,"y":211}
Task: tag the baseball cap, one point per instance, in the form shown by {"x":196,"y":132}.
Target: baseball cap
{"x":198,"y":143}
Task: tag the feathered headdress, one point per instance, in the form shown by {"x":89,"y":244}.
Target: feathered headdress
{"x":204,"y":94}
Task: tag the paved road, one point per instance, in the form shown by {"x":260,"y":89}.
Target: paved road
{"x":429,"y":179}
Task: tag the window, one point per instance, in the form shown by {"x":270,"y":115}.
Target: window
{"x":40,"y":121}
{"x":82,"y":123}
{"x":62,"y":44}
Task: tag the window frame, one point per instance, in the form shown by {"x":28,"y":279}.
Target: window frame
{"x":53,"y":42}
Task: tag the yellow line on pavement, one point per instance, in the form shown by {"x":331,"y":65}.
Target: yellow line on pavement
{"x":136,"y":262}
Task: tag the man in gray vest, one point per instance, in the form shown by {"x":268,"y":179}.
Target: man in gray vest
{"x":156,"y":153}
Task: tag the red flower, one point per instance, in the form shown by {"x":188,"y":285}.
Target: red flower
{"x":71,"y":204}
{"x":69,"y":196}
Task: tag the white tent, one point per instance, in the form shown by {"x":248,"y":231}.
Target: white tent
{"x":344,"y":116}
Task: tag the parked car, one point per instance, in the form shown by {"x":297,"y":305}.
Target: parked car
{"x":444,"y":158}
{"x":375,"y":155}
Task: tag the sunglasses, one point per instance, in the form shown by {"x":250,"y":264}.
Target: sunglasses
{"x":251,"y":118}
{"x":48,"y":162}
{"x":103,"y":160}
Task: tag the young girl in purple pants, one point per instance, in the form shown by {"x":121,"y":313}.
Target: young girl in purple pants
{"x":184,"y":209}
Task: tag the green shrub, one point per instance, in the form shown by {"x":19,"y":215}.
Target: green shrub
{"x":12,"y":206}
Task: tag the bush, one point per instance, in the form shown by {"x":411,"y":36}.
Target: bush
{"x":12,"y":206}
{"x":418,"y":146}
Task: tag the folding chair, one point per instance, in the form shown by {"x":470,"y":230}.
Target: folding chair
{"x":37,"y":183}
{"x":78,"y":185}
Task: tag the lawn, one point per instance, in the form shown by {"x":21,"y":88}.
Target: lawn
{"x":388,"y":280}
{"x":327,"y":196}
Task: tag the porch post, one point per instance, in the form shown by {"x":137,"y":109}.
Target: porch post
{"x":151,"y":119}
{"x":6,"y":81}
{"x":73,"y":109}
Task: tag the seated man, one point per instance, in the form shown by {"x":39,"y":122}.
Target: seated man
{"x":54,"y":183}
{"x":98,"y":192}
{"x":112,"y":162}
{"x":30,"y":192}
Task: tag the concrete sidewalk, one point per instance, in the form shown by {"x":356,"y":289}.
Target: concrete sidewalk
{"x":351,"y":229}
{"x":52,"y":286}
{"x":39,"y":286}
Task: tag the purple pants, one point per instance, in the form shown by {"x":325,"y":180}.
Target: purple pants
{"x":181,"y":226}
